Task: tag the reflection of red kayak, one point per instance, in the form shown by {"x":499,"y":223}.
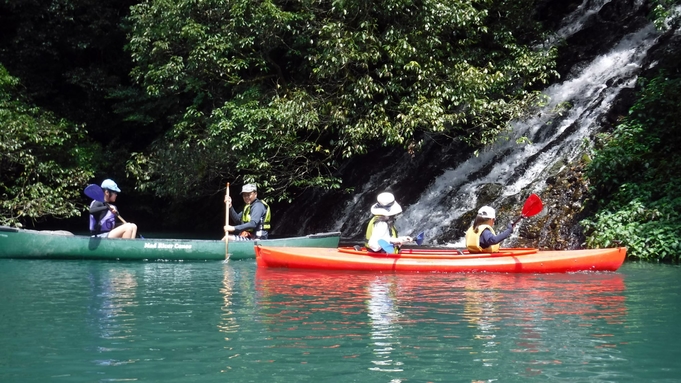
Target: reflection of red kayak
{"x":508,"y":261}
{"x":590,"y":295}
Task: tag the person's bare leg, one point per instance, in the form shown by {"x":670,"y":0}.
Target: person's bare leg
{"x":118,"y":232}
{"x":126,"y":230}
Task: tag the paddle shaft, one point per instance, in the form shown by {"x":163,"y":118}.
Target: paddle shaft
{"x":227,"y":222}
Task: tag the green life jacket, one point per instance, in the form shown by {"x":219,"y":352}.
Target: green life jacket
{"x":264,"y":224}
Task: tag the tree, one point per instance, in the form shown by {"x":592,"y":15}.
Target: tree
{"x":279,"y":92}
{"x":44,"y":161}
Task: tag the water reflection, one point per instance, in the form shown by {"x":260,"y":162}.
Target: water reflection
{"x":384,"y":318}
{"x":495,"y":321}
{"x":114,"y":302}
{"x":228,"y":323}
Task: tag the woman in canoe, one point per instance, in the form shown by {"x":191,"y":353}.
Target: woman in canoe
{"x":480,"y":237}
{"x":103,"y":215}
{"x":382,"y":224}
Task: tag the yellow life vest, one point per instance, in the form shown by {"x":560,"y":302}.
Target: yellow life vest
{"x":473,"y":240}
{"x":370,"y":230}
{"x":246,"y":215}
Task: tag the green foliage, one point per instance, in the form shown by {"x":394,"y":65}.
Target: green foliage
{"x":44,"y":162}
{"x":278,"y":92}
{"x":635,"y":178}
{"x":665,"y":13}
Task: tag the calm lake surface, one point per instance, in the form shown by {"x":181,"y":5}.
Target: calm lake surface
{"x":95,"y":321}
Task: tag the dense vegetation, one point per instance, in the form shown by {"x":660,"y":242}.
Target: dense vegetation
{"x":279,"y":92}
{"x":275,"y":92}
{"x":44,"y":161}
{"x":177,"y":97}
{"x":635,"y":177}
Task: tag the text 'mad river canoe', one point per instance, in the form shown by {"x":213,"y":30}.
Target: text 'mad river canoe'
{"x":32,"y":244}
{"x":443,"y":260}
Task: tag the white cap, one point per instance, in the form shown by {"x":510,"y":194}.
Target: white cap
{"x":248,"y":188}
{"x":486,"y":212}
{"x":386,"y":205}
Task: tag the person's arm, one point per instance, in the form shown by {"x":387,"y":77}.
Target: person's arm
{"x":487,"y":239}
{"x":234,"y":216}
{"x":98,"y":207}
{"x":258,"y":211}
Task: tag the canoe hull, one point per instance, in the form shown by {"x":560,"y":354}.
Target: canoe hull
{"x":30,"y":244}
{"x":511,"y":261}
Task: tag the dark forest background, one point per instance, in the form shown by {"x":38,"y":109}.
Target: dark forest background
{"x":174,"y":99}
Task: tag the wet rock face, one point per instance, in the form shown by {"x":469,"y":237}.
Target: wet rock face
{"x":557,"y":226}
{"x":564,"y":192}
{"x":615,"y":19}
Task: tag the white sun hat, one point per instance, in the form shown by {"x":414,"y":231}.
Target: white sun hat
{"x":386,"y":205}
{"x":487,"y":212}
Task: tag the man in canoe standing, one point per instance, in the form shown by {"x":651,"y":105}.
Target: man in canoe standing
{"x":254,"y":220}
{"x":480,"y":237}
{"x":381,"y":228}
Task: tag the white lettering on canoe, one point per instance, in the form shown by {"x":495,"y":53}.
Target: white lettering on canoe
{"x":160,"y":245}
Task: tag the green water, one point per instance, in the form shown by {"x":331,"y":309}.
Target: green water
{"x":93,"y":321}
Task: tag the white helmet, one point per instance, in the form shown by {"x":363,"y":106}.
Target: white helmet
{"x":487,"y":212}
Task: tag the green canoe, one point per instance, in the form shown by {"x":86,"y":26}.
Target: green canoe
{"x":32,"y":244}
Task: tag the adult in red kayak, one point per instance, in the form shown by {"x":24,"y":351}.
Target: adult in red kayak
{"x":382,"y":224}
{"x":480,"y":237}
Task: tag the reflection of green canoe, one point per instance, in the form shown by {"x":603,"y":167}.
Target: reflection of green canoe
{"x":18,"y":243}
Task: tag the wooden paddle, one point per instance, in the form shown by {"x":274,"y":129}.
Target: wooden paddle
{"x":533,"y":205}
{"x":227,"y":223}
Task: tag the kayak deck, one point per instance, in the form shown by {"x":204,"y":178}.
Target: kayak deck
{"x":507,"y":261}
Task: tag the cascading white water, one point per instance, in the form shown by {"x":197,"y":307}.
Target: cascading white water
{"x":555,"y":134}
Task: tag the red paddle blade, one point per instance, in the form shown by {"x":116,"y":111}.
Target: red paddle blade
{"x":532,"y":206}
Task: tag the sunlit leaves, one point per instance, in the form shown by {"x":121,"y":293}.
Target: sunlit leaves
{"x":275,"y":89}
{"x":44,"y":162}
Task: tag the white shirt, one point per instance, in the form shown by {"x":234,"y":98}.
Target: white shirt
{"x":382,"y":231}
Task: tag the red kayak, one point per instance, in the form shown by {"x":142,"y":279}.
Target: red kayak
{"x":443,"y":260}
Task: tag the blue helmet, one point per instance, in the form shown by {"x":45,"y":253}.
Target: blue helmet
{"x":110,"y":185}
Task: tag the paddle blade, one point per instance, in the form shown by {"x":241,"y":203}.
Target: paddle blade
{"x":532,"y":206}
{"x":386,"y":246}
{"x":419,"y":239}
{"x":95,"y":192}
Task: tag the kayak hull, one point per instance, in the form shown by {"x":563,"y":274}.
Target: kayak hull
{"x":32,"y":244}
{"x":507,"y":261}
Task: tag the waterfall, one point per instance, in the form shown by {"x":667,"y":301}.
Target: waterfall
{"x":438,"y":202}
{"x":555,"y":133}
